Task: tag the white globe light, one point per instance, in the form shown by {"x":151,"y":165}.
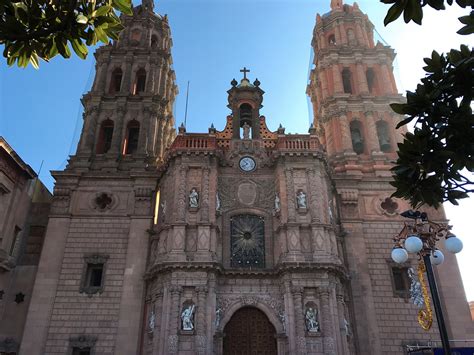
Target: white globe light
{"x":413,"y":244}
{"x":453,"y":244}
{"x":399,"y":255}
{"x":437,"y":257}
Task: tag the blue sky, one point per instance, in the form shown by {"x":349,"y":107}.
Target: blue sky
{"x":41,"y":114}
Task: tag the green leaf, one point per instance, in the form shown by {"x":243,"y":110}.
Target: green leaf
{"x":79,"y":48}
{"x":124,"y":6}
{"x":394,"y":12}
{"x":34,"y":60}
{"x":101,"y":11}
{"x":82,"y":19}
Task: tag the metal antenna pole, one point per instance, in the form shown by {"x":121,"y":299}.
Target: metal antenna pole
{"x":186,"y":109}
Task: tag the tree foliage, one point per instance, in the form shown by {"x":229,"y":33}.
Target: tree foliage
{"x":34,"y":29}
{"x":435,"y":163}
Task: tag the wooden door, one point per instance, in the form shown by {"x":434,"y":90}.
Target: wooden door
{"x":249,"y":332}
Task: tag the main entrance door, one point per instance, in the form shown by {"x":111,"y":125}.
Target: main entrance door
{"x":249,"y":332}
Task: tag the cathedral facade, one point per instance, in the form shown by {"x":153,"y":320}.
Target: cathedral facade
{"x":240,"y":241}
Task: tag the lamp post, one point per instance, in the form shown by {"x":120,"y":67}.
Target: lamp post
{"x":420,"y":236}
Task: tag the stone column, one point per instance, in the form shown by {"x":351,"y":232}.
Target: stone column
{"x":337,"y":79}
{"x":386,"y":79}
{"x":362,"y":79}
{"x":312,"y":179}
{"x":101,"y":77}
{"x":174,"y":320}
{"x":326,"y":322}
{"x":324,"y":83}
{"x":204,"y":203}
{"x":144,"y":137}
{"x":200,"y":325}
{"x":181,"y":198}
{"x":117,"y":136}
{"x":297,"y":293}
{"x":341,"y":316}
{"x":157,"y":337}
{"x":127,"y":77}
{"x":151,"y":76}
{"x":346,"y":140}
{"x":372,"y":137}
{"x":89,"y":130}
{"x":290,"y":195}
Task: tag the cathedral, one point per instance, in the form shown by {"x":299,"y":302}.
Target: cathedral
{"x":235,"y":241}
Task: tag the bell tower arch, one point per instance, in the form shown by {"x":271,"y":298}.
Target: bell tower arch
{"x":245,"y":101}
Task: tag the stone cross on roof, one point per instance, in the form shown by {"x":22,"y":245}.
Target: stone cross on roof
{"x":245,"y":71}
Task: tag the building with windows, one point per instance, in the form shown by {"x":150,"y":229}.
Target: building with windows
{"x":239,"y":241}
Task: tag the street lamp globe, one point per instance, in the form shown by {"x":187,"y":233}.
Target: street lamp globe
{"x":413,"y":244}
{"x":453,"y":244}
{"x":437,"y":257}
{"x":399,"y":255}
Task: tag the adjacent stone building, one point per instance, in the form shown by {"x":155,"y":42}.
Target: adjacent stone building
{"x":24,"y":208}
{"x":240,"y":241}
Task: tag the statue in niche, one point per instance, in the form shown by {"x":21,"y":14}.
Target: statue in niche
{"x":347,"y":327}
{"x":218,"y":202}
{"x":151,"y":321}
{"x":218,"y":316}
{"x":282,"y":317}
{"x":277,"y":204}
{"x":312,"y":324}
{"x":194,"y":198}
{"x":246,"y":130}
{"x":301,"y":200}
{"x":187,"y":317}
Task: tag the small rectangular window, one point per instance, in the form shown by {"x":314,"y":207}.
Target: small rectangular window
{"x":94,"y":274}
{"x":401,"y":281}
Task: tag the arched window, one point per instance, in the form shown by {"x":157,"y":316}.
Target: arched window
{"x":332,"y":40}
{"x":115,"y":81}
{"x":346,"y":80}
{"x":245,"y":113}
{"x":384,"y":136}
{"x":356,"y":137}
{"x":154,"y":41}
{"x":105,"y":137}
{"x":131,"y":137}
{"x":140,"y":80}
{"x":370,"y":75}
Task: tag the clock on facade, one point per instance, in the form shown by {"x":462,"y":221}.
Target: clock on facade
{"x":247,"y":164}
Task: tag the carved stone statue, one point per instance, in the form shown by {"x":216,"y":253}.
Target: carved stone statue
{"x":246,"y":130}
{"x":151,"y":321}
{"x":187,"y":318}
{"x":301,"y":200}
{"x":282,"y":317}
{"x":218,"y":202}
{"x":194,"y":198}
{"x":277,"y":204}
{"x":218,"y":316}
{"x":347,"y":327}
{"x":312,"y":324}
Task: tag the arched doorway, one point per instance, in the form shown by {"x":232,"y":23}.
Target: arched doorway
{"x":249,"y":332}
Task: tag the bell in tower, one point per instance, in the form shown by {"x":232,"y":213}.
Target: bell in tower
{"x":245,"y":101}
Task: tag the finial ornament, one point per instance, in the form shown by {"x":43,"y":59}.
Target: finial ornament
{"x":336,"y":4}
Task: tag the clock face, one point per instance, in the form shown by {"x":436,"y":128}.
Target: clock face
{"x":247,"y":164}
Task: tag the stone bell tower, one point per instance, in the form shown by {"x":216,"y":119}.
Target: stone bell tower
{"x":89,"y":291}
{"x":351,"y":87}
{"x":128,"y":112}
